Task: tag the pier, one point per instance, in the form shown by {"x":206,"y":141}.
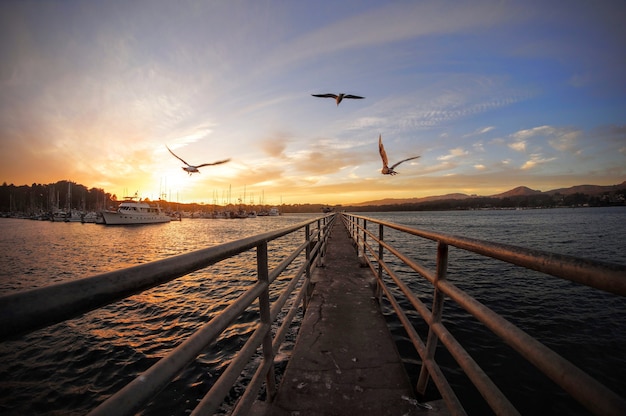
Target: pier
{"x":344,"y":360}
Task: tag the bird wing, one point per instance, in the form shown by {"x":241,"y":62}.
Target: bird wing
{"x":325,"y":95}
{"x":381,"y":150}
{"x":214,"y":163}
{"x":177,"y":156}
{"x":352,"y":96}
{"x":402,"y":161}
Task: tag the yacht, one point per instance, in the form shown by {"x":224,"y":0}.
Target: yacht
{"x":135,"y":211}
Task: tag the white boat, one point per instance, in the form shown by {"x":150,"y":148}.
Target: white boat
{"x":133,"y":211}
{"x":59,"y":215}
{"x":89,"y":217}
{"x":274,"y":212}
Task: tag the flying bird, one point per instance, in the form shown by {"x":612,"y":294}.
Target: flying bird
{"x":383,"y":155}
{"x":337,"y":97}
{"x":194,"y":169}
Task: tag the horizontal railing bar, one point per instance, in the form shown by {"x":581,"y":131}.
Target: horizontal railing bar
{"x":424,"y":272}
{"x":284,"y":297}
{"x":249,"y":395}
{"x":444,"y":388}
{"x":214,"y":398}
{"x":282,"y":331}
{"x":601,"y":275}
{"x":585,"y":389}
{"x":288,"y":260}
{"x":282,"y":266}
{"x":37,"y":308}
{"x":496,"y":399}
{"x":483,"y":383}
{"x":245,"y":402}
{"x":132,"y":396}
{"x":605,"y":276}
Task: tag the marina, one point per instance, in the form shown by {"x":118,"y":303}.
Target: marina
{"x":612,"y":307}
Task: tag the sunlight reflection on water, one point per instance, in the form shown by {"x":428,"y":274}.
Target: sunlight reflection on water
{"x":107,"y":348}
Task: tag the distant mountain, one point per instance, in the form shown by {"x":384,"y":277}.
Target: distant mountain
{"x":519,"y":191}
{"x":588,"y":189}
{"x":591,"y":190}
{"x":393,"y":201}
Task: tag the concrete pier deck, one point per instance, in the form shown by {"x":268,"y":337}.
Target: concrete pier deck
{"x":345,"y":361}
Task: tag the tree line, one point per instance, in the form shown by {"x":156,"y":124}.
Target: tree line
{"x":66,"y":194}
{"x":48,"y":197}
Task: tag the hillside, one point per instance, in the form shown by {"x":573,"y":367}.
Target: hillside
{"x":591,"y":190}
{"x":393,"y":201}
{"x":519,"y":191}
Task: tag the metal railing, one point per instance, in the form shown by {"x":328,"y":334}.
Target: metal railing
{"x":26,"y":311}
{"x":605,"y":276}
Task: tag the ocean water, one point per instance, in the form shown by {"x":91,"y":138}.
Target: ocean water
{"x":584,"y":325}
{"x":68,"y":368}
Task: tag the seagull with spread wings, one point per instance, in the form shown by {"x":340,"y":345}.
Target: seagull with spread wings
{"x":194,"y":169}
{"x":338,"y":97}
{"x":383,"y":155}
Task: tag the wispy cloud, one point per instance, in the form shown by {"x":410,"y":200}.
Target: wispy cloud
{"x":454,"y":153}
{"x":519,"y":146}
{"x":392,"y":23}
{"x":562,"y":139}
{"x":535,"y":160}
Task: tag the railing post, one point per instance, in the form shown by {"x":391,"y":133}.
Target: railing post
{"x":381,"y":251}
{"x":437,"y":310}
{"x":307,"y":270}
{"x":361,"y":247}
{"x":320,"y":235}
{"x":264,"y":312}
{"x":324,"y":236}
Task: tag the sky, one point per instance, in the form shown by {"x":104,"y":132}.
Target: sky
{"x":491,"y":94}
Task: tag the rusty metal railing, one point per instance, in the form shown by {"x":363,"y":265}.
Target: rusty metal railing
{"x":27,"y":311}
{"x":604,"y":276}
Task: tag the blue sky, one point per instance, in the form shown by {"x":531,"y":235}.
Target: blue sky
{"x":491,"y":94}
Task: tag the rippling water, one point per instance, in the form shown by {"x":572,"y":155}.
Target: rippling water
{"x":69,"y":367}
{"x":586,"y":326}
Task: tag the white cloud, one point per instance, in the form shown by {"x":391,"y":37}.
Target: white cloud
{"x":479,"y":147}
{"x":454,"y":153}
{"x":566,"y":140}
{"x":535,"y":160}
{"x":535,"y":131}
{"x":519,"y":146}
{"x":560,"y":138}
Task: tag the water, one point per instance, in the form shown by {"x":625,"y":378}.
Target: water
{"x":584,"y":325}
{"x":69,"y":367}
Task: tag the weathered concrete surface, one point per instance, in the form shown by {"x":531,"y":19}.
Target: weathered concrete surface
{"x":345,"y":361}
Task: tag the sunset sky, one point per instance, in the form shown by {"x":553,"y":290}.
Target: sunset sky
{"x":491,"y":94}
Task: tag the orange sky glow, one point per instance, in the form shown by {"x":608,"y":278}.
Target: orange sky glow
{"x":492,"y":96}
